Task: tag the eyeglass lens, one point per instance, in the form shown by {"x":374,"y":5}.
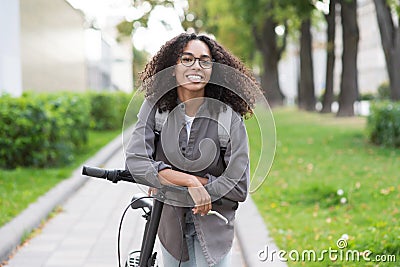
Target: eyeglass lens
{"x":188,"y":60}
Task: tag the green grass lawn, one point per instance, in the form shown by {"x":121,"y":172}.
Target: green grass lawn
{"x":328,"y":181}
{"x":22,"y":186}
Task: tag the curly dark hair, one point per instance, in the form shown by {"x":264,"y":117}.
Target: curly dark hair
{"x":243,"y":87}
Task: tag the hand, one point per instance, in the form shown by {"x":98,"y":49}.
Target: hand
{"x":201,"y":199}
{"x":152,"y":191}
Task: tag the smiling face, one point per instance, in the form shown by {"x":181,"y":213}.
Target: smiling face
{"x":191,"y":80}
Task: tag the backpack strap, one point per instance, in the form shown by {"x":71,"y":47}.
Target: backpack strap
{"x":160,"y":119}
{"x":224,"y":127}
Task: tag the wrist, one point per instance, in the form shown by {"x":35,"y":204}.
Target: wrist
{"x":202,"y":180}
{"x":193,"y":181}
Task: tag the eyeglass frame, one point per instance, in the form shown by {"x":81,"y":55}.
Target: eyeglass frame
{"x":197,"y":58}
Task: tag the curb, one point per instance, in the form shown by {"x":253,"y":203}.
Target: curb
{"x":29,"y":219}
{"x":253,"y":236}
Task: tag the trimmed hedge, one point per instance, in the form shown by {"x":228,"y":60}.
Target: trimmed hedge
{"x":24,"y":133}
{"x":43,"y":130}
{"x":108,"y":110}
{"x":69,"y":114}
{"x":384,"y":123}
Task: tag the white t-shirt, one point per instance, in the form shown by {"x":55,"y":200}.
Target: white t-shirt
{"x":189,"y":122}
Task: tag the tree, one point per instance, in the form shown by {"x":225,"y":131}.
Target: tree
{"x":328,"y":97}
{"x":266,"y":41}
{"x":127,"y":28}
{"x":306,"y":91}
{"x":306,"y":96}
{"x":390,"y":38}
{"x":349,"y":78}
{"x":263,"y":17}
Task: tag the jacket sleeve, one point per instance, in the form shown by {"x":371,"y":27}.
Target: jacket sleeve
{"x":141,"y":147}
{"x":234,"y":181}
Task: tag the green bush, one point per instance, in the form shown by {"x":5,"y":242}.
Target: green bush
{"x":366,"y":97}
{"x":108,"y":109}
{"x":384,"y":123}
{"x":123,"y":100}
{"x":43,"y":130}
{"x":24,"y":132}
{"x":70,"y":116}
{"x":384,"y":91}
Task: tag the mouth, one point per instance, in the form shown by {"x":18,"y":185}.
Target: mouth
{"x":195,"y":78}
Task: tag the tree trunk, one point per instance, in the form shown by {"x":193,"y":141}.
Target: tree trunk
{"x":306,"y":96}
{"x":390,"y":38}
{"x":330,"y":61}
{"x":395,"y":81}
{"x":266,"y":42}
{"x":349,"y":79}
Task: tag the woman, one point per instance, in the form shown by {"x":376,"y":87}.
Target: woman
{"x":194,"y":80}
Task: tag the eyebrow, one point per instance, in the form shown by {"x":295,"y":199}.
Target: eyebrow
{"x":188,"y":53}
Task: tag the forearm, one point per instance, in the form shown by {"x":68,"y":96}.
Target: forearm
{"x":172,"y":177}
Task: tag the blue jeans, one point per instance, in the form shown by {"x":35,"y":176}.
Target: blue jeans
{"x":196,"y":256}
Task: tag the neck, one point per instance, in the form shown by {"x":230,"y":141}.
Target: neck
{"x":193,"y":100}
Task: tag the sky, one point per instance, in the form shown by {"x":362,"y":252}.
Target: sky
{"x":109,"y":12}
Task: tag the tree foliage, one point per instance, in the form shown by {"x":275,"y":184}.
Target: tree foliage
{"x":220,"y":18}
{"x":126,"y":28}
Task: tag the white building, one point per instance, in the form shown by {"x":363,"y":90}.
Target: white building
{"x":10,"y":52}
{"x":52,"y":46}
{"x":44,"y":47}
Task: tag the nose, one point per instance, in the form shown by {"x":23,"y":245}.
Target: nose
{"x":196,"y":64}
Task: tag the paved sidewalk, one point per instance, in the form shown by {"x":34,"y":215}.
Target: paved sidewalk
{"x":85,"y":232}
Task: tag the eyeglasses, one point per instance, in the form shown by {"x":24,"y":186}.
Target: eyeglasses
{"x":188,"y":60}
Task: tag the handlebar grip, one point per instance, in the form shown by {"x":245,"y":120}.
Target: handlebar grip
{"x":94,"y":172}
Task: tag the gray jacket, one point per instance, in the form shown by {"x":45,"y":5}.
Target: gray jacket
{"x":173,"y":150}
